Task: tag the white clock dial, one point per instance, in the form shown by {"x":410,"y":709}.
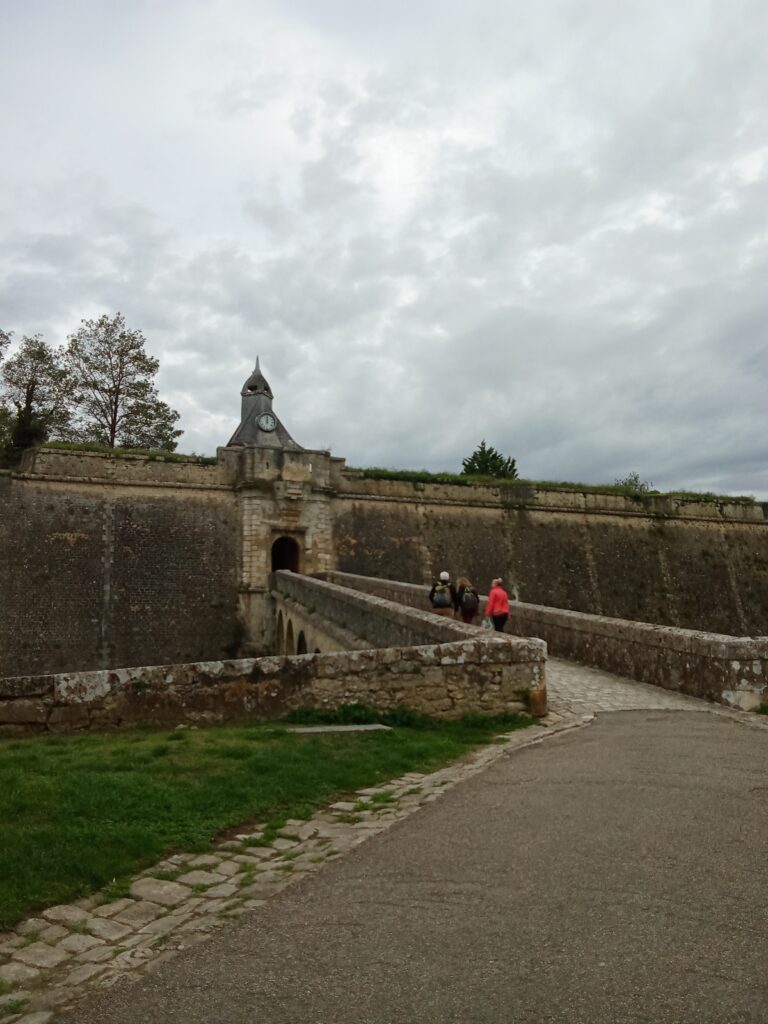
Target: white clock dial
{"x":267,"y":421}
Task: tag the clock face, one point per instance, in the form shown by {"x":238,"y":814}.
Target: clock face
{"x":267,"y":421}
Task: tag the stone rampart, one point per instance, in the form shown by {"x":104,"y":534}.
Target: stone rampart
{"x":108,"y":561}
{"x":692,"y":564}
{"x":99,"y":467}
{"x":95,"y":575}
{"x":728,"y":669}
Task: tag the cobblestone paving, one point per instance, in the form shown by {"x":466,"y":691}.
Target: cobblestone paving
{"x":52,"y":961}
{"x":577,"y":688}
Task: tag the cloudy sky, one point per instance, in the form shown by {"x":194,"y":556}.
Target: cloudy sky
{"x":542,"y":224}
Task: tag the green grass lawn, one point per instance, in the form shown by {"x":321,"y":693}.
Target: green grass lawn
{"x":78,"y":812}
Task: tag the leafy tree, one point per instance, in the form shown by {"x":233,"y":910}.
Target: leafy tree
{"x":634,"y":485}
{"x":115,"y":398}
{"x":486,"y":461}
{"x":33,"y":383}
{"x":6,"y":428}
{"x":5,"y":340}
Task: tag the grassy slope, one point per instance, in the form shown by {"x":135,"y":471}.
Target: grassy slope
{"x":78,"y":812}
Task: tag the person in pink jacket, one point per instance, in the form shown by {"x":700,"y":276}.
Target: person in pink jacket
{"x":497,"y":608}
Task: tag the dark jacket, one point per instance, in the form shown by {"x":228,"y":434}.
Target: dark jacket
{"x":460,"y":595}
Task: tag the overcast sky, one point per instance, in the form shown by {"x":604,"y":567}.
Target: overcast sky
{"x":543,"y":224}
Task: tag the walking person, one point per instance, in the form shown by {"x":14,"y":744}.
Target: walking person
{"x":442,"y":596}
{"x":497,"y":608}
{"x":467,"y":601}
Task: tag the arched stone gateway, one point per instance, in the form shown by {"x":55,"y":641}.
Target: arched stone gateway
{"x":286,"y":554}
{"x":301,"y":644}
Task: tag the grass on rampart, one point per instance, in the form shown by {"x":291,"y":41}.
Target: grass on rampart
{"x":426,"y":477}
{"x":80,"y":812}
{"x":154,"y":455}
{"x":462,"y":480}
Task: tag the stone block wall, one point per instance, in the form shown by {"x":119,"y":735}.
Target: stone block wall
{"x":445,"y":680}
{"x":728,"y":669}
{"x":379,"y":621}
{"x":95,"y":576}
{"x":111,"y":561}
{"x":55,"y":463}
{"x":316,"y":606}
{"x":696,"y":565}
{"x":731,"y":670}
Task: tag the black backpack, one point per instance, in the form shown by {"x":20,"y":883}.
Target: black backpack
{"x":469,"y":600}
{"x":442,"y":596}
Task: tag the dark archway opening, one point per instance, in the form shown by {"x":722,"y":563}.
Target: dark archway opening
{"x":285,"y":554}
{"x":301,"y":643}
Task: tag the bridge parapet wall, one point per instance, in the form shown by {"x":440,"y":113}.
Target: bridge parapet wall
{"x":731,"y":670}
{"x":444,"y":680}
{"x":414,"y":659}
{"x":381,"y":621}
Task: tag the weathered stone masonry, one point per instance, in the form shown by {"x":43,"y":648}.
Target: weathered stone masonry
{"x":459,"y":669}
{"x":108,"y":562}
{"x":731,"y":670}
{"x":696,"y":565}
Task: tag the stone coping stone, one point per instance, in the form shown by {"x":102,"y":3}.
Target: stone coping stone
{"x":372,"y":727}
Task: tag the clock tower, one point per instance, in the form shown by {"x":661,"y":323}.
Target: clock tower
{"x":258,"y":423}
{"x":284,"y":497}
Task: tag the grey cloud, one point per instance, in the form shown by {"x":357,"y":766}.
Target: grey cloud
{"x":446,"y":223}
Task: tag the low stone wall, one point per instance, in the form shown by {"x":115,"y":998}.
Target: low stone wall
{"x":731,"y":670}
{"x":411,"y":595}
{"x":382,"y":622}
{"x":446,"y":680}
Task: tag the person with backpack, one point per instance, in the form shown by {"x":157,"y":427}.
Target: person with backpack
{"x":497,"y":608}
{"x":443,"y":597}
{"x":467,"y":600}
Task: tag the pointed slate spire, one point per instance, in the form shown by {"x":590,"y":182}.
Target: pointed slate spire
{"x":257,"y":383}
{"x":258,"y":423}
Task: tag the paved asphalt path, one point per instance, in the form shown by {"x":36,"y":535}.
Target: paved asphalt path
{"x":612,"y":874}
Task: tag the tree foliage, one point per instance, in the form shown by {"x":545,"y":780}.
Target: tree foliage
{"x":486,"y":461}
{"x":34,"y":388}
{"x":115,"y":401}
{"x":634,"y":485}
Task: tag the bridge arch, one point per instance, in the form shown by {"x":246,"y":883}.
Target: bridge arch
{"x":301,"y":643}
{"x":289,"y":642}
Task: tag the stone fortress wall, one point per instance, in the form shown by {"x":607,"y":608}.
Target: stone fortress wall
{"x":112,"y":562}
{"x":696,"y":565}
{"x":108,"y":562}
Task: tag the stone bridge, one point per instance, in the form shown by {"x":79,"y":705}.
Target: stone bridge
{"x":731,"y":670}
{"x":341,"y":639}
